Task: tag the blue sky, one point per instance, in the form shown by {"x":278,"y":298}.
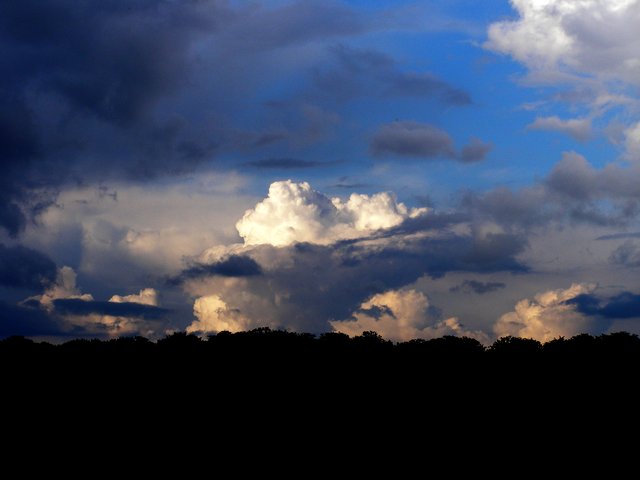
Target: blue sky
{"x":416,"y":168}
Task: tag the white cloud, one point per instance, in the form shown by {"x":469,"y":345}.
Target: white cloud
{"x":547,"y":316}
{"x":147,"y":296}
{"x":401,"y":315}
{"x":556,"y":38}
{"x":214,"y":315}
{"x":294,"y":212}
{"x":578,"y":128}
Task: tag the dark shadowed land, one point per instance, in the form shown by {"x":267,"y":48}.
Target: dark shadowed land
{"x":270,"y":390}
{"x":267,"y":360}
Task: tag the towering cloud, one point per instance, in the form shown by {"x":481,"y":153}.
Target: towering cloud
{"x":294,"y":212}
{"x":549,"y":315}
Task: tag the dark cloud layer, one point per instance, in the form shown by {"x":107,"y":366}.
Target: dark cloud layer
{"x":622,"y":306}
{"x":22,"y":267}
{"x":233,"y":266}
{"x":79,"y":78}
{"x":356,"y":72}
{"x":96,"y":90}
{"x":317,"y":283}
{"x":285,"y":163}
{"x":412,"y":139}
{"x":74,"y":306}
{"x":474,"y":286}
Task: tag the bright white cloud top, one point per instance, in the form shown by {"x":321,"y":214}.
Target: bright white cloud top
{"x":295,"y":212}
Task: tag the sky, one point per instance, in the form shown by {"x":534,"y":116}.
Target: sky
{"x":414,"y":168}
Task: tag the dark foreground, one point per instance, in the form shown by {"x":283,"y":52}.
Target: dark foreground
{"x":307,"y":397}
{"x":266,"y":363}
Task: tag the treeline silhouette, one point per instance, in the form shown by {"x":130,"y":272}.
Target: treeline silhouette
{"x":331,"y":382}
{"x":265,"y":343}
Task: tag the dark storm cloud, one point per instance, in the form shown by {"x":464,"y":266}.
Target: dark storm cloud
{"x":78,"y":80}
{"x":233,"y":266}
{"x":25,"y":321}
{"x":297,"y":23}
{"x":22,"y":267}
{"x":622,"y":306}
{"x":474,"y":286}
{"x":356,"y":72}
{"x":96,"y":90}
{"x":412,"y":139}
{"x":74,"y":306}
{"x":286,"y":164}
{"x":475,"y":151}
{"x":303,"y":276}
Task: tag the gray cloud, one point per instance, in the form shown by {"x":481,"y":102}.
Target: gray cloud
{"x":412,"y":139}
{"x":356,"y":71}
{"x":627,"y":254}
{"x":474,"y":286}
{"x":286,"y":163}
{"x":232,"y":266}
{"x":578,"y":128}
{"x":475,"y":151}
{"x":75,"y":306}
{"x":621,"y":306}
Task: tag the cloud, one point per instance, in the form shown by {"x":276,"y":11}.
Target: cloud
{"x":412,"y":139}
{"x":356,"y":72}
{"x":124,"y":310}
{"x":311,"y":248}
{"x":474,"y":286}
{"x":214,"y":315}
{"x":294,"y":212}
{"x":549,"y":315}
{"x":624,"y":305}
{"x":475,"y":151}
{"x":22,"y":267}
{"x":574,"y":178}
{"x":627,"y":254}
{"x":588,"y":48}
{"x":556,"y":38}
{"x":79,"y":312}
{"x":578,"y":128}
{"x":574,"y":191}
{"x":286,"y":163}
{"x":402,"y":315}
{"x":632,"y":142}
{"x":231,"y":266}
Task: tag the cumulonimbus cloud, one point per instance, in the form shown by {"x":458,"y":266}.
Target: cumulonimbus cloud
{"x":295,"y":212}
